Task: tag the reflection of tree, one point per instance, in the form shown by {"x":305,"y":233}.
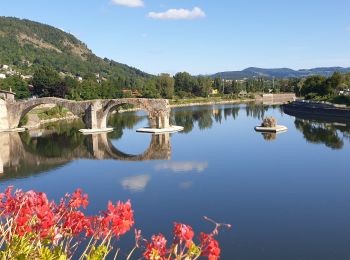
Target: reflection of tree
{"x":184,"y":119}
{"x":231,"y":111}
{"x":218,"y":115}
{"x":60,"y":139}
{"x":316,"y":132}
{"x":120,"y":121}
{"x":269,"y":136}
{"x":203,"y":116}
{"x":205,"y":121}
{"x":256,"y":110}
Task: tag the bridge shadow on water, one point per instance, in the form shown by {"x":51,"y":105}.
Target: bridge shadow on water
{"x":37,"y":151}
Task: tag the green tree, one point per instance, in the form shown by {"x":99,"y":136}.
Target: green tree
{"x":17,"y":85}
{"x":202,"y":86}
{"x":165,"y":85}
{"x":183,"y":82}
{"x":150,"y":90}
{"x":44,"y":81}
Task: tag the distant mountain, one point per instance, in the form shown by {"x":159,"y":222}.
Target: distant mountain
{"x":27,"y":45}
{"x":279,"y":73}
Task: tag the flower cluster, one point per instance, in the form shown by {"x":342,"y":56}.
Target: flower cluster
{"x":32,"y":227}
{"x":32,"y":214}
{"x":183,"y":246}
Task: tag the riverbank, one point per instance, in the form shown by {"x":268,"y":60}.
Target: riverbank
{"x":320,"y":109}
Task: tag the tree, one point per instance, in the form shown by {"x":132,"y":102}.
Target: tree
{"x":17,"y":85}
{"x":314,"y":84}
{"x":183,"y":82}
{"x":202,"y":86}
{"x":44,"y":81}
{"x":165,"y":85}
{"x":150,"y":90}
{"x":218,"y":83}
{"x":333,"y":83}
{"x":236,"y":87}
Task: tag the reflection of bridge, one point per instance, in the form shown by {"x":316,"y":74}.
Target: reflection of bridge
{"x":14,"y":154}
{"x":93,"y":112}
{"x":101,"y":148}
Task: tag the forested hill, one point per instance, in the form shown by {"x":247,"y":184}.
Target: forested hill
{"x":29,"y":45}
{"x":279,"y":73}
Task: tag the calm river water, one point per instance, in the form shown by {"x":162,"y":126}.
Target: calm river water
{"x":286,"y":196}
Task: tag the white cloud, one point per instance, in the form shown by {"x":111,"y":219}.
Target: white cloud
{"x":182,"y":166}
{"x":136,"y":183}
{"x":178,"y":14}
{"x":129,"y":3}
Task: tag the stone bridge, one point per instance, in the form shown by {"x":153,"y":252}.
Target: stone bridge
{"x":94,"y":113}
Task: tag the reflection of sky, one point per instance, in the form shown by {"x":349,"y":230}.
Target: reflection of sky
{"x":135,"y":183}
{"x":132,"y":142}
{"x":182,"y":166}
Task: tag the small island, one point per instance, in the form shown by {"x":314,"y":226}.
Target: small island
{"x":269,"y":124}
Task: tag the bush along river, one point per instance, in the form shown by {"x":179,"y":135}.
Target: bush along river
{"x":286,"y":195}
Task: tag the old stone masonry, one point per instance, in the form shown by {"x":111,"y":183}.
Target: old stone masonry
{"x":94,"y":113}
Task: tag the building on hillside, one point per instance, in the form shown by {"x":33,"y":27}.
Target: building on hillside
{"x":345,"y":92}
{"x":79,"y":78}
{"x":11,"y":72}
{"x":243,"y":93}
{"x":26,"y":77}
{"x":214,"y":92}
{"x":5,"y":67}
{"x":2,"y":76}
{"x":7,"y":95}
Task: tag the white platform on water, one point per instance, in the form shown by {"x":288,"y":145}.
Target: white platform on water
{"x":277,"y":129}
{"x":95,"y":131}
{"x":14,"y":130}
{"x":171,"y":129}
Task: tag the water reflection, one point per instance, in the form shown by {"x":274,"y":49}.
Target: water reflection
{"x":269,"y":136}
{"x":256,"y":110}
{"x":332,"y":132}
{"x":57,"y":144}
{"x":204,"y":116}
{"x":182,"y":166}
{"x":136,"y":183}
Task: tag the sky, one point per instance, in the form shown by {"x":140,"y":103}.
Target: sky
{"x":201,"y":36}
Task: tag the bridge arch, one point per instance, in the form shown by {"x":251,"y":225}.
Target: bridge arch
{"x":20,"y":109}
{"x":158,"y":110}
{"x":113,"y":105}
{"x":101,"y":147}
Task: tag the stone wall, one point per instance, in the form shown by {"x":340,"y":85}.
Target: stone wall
{"x":4,"y":124}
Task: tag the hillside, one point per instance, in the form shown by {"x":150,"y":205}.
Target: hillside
{"x":28,"y":45}
{"x":279,"y":73}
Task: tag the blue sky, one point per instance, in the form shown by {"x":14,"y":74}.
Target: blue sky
{"x":202,"y":36}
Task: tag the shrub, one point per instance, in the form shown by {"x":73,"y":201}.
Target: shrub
{"x":32,"y":227}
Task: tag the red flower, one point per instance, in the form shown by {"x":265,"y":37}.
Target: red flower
{"x":76,"y":222}
{"x":210,"y":247}
{"x":119,"y":217}
{"x":183,"y":233}
{"x":78,"y":199}
{"x":156,"y":250}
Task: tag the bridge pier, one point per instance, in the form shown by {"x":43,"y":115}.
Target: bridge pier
{"x":4,"y":123}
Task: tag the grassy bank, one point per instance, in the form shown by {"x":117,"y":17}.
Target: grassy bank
{"x":188,"y":101}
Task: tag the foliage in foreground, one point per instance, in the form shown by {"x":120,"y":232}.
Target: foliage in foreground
{"x":32,"y":227}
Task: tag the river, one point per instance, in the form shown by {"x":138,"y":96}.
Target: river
{"x":287,"y":196}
